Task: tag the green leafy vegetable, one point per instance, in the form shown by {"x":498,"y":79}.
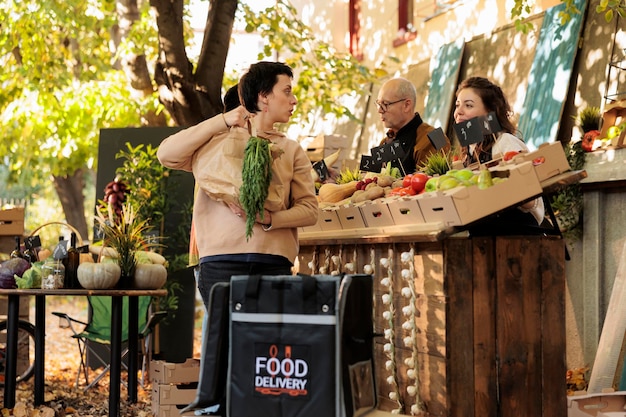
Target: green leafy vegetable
{"x":256,"y":175}
{"x":31,"y":278}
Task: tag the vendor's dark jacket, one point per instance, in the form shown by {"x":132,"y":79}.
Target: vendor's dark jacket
{"x":417,"y":146}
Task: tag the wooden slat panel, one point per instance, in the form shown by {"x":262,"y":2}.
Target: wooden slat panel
{"x":458,"y":319}
{"x":552,"y":269}
{"x":518,"y":329}
{"x":485,"y":376}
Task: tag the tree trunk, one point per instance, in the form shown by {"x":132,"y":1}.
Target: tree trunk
{"x":189,"y":96}
{"x":70,"y":192}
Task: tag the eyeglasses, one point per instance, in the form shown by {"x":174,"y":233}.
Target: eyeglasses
{"x":384,"y":105}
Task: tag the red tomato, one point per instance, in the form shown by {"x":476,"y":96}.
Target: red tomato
{"x":539,"y":161}
{"x":406,"y":181}
{"x":418,"y":181}
{"x":509,"y":155}
{"x":402,"y":191}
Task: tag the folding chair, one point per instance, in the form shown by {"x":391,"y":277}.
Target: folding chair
{"x":98,"y":329}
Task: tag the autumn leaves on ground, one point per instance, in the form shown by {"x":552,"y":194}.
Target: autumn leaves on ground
{"x":62,"y":397}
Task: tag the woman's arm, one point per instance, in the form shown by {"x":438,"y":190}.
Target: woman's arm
{"x":176,"y":151}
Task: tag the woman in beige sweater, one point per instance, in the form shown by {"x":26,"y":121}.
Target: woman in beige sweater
{"x":267,"y":97}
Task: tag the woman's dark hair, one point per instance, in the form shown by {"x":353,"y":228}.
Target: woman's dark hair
{"x":231,"y":99}
{"x":260,"y":79}
{"x":494,"y":100}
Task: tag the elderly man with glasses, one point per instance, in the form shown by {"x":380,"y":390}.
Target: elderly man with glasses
{"x":396,"y":106}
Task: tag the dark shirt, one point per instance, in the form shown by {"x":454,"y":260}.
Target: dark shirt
{"x":407,"y":136}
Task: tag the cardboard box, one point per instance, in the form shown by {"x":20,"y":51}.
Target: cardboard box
{"x":170,"y":411}
{"x":350,"y":217}
{"x":463,"y":205}
{"x":376,"y":213}
{"x":12,"y":222}
{"x":328,"y":219}
{"x":329,"y":141}
{"x":163,"y":372}
{"x":170,"y":394}
{"x":614,"y":114}
{"x":552,"y":157}
{"x":597,"y":405}
{"x":405,"y":210}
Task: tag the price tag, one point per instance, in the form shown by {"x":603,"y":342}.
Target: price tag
{"x":321,"y":169}
{"x":369,"y":164}
{"x":437,"y":138}
{"x":469,"y":131}
{"x":32,"y":241}
{"x":493,"y":122}
{"x":388,"y":152}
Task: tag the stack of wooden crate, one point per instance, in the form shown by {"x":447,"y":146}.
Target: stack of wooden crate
{"x":173,"y":386}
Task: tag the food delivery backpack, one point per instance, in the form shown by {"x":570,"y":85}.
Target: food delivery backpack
{"x":301,"y":346}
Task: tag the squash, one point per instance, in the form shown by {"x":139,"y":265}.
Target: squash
{"x":99,"y":250}
{"x":149,"y":257}
{"x":86,"y":257}
{"x":98,"y":276}
{"x":333,"y":193}
{"x":149,"y":276}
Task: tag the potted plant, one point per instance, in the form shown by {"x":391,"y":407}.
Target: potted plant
{"x":127,"y":235}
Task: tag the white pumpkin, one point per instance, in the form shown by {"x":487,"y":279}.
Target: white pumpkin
{"x":149,"y":276}
{"x":98,"y":276}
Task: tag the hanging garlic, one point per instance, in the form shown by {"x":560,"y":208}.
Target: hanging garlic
{"x":384,"y":262}
{"x":406,"y":292}
{"x":405,"y":257}
{"x":411,"y":390}
{"x":367,"y":269}
{"x":386,"y":299}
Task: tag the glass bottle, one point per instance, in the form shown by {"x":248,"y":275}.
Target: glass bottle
{"x":52,"y":274}
{"x":71,"y":265}
{"x":17,"y":252}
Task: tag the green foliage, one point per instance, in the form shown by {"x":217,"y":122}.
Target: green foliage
{"x":588,"y":118}
{"x":61,"y":84}
{"x":147,"y":181}
{"x":319,"y":67}
{"x":610,"y":7}
{"x":522,"y":8}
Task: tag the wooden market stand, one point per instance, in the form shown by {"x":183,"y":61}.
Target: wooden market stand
{"x":478,"y":323}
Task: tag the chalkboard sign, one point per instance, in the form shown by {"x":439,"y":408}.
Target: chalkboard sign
{"x":381,"y":155}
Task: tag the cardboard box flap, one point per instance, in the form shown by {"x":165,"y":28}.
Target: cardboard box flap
{"x":597,"y":404}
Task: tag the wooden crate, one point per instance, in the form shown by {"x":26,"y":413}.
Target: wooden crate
{"x":489,"y":322}
{"x":12,"y":222}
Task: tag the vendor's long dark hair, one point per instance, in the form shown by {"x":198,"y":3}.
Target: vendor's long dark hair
{"x":494,"y":101}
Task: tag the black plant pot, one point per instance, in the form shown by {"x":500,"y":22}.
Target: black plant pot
{"x":176,"y":330}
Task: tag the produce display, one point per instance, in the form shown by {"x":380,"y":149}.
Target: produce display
{"x":371,"y":186}
{"x":451,"y":197}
